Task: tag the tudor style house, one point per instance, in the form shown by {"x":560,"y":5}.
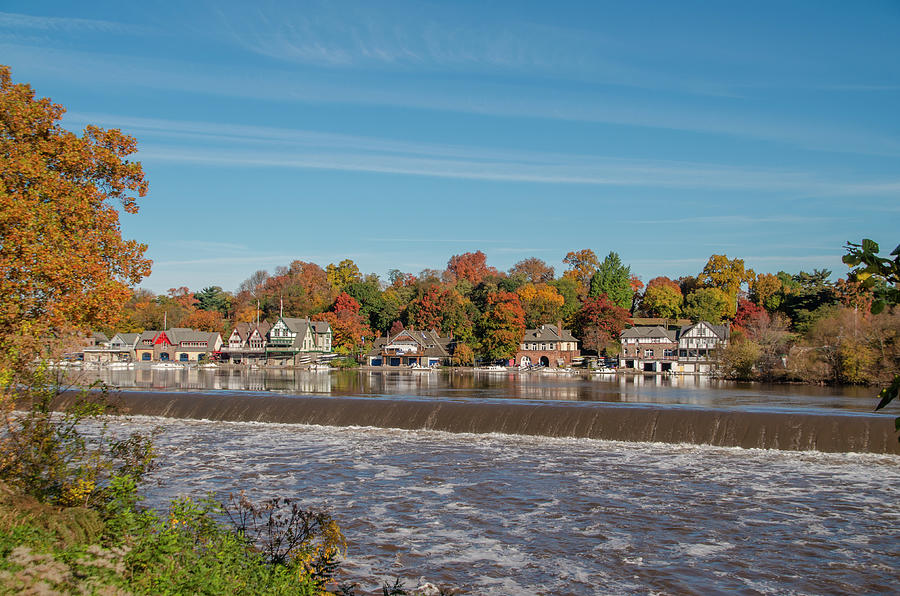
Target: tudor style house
{"x":691,"y":349}
{"x":650,"y":349}
{"x":550,"y":345}
{"x":290,"y":336}
{"x":177,"y":345}
{"x":699,"y":346}
{"x":247,"y":341}
{"x":411,"y":347}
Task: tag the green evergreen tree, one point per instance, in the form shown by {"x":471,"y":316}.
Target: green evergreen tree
{"x":613,"y":279}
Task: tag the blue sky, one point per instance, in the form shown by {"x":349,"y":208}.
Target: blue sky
{"x":398,"y":134}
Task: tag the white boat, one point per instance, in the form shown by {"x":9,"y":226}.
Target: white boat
{"x":492,"y":368}
{"x":208,"y":365}
{"x":319,"y":367}
{"x":603,"y":370}
{"x":556,"y":371}
{"x":120,"y":365}
{"x":167,"y":365}
{"x":420,"y":368}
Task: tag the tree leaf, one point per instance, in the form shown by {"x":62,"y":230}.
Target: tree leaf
{"x":869,"y":245}
{"x":888,"y":394}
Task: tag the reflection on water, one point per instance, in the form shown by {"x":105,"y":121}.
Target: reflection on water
{"x":693,"y":390}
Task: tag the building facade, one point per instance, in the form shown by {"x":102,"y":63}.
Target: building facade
{"x":246,"y":342}
{"x":549,"y":345}
{"x":411,"y":347}
{"x":700,"y":345}
{"x":649,"y":349}
{"x":291,"y":336}
{"x":177,"y":345}
{"x":690,"y":349}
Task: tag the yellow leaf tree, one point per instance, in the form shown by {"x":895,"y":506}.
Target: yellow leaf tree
{"x":63,"y":261}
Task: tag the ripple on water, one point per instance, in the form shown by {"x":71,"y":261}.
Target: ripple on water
{"x":508,"y":514}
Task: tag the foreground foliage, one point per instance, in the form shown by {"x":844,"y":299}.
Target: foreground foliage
{"x":71,"y":520}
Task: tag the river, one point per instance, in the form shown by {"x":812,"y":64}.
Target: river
{"x":506,"y":513}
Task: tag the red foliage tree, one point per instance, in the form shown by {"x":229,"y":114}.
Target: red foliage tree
{"x":599,"y":322}
{"x":746,"y":311}
{"x":427,"y":311}
{"x":471,"y":266}
{"x":349,"y":329}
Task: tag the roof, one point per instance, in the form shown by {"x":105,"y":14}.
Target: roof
{"x":721,"y":331}
{"x":647,"y":332}
{"x":245,"y":330}
{"x":430,"y":342}
{"x":178,"y":335}
{"x":548,"y":333}
{"x":300,"y":325}
{"x":127,"y":338}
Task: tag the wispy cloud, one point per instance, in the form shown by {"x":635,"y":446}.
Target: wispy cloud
{"x":494,"y":99}
{"x":230,"y":260}
{"x":19,"y":22}
{"x":222,"y":144}
{"x":736,"y":219}
{"x":199,"y":245}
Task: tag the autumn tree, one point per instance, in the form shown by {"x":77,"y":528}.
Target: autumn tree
{"x":471,"y":266}
{"x":765,"y":291}
{"x":662,"y":298}
{"x":534,"y":270}
{"x":599,"y":323}
{"x":204,"y":320}
{"x":636,"y":286}
{"x":343,"y":274}
{"x":726,"y":274}
{"x":63,"y":261}
{"x":542,"y":304}
{"x":427,"y":311}
{"x":463,"y":354}
{"x":503,"y":326}
{"x":613,"y":278}
{"x":582,"y":265}
{"x":349,"y":328}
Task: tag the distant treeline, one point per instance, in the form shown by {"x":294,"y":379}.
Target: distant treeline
{"x":785,"y":326}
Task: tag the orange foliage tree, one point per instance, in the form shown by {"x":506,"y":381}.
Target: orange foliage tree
{"x":63,"y":262}
{"x":582,"y":266}
{"x":542,"y":304}
{"x":471,"y":266}
{"x":503,"y":325}
{"x":535,"y":270}
{"x":204,"y":320}
{"x":348,"y":327}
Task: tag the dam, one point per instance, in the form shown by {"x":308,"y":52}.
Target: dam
{"x":520,"y":485}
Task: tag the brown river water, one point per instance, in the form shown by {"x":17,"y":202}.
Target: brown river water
{"x":496,"y":484}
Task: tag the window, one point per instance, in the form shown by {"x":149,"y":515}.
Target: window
{"x":668,"y":353}
{"x":552,"y":345}
{"x":648,"y":353}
